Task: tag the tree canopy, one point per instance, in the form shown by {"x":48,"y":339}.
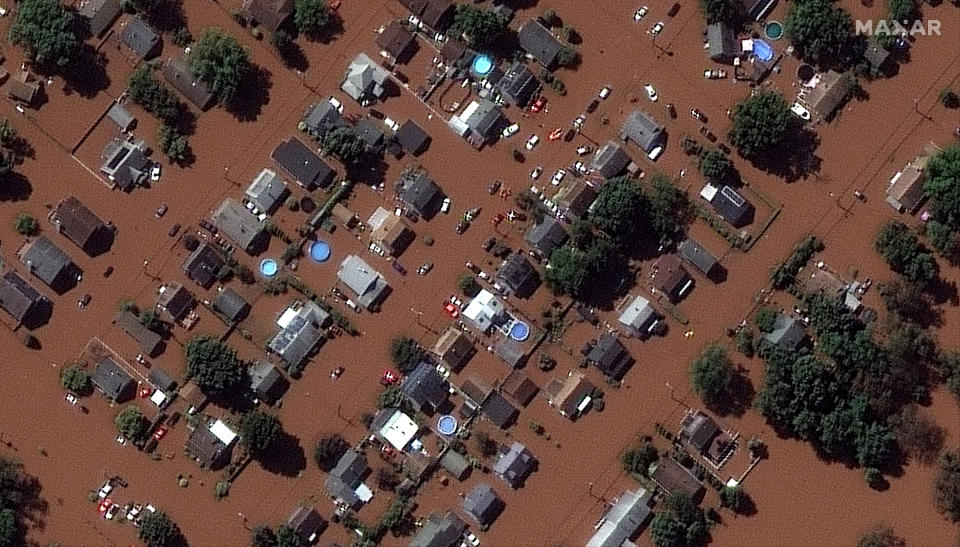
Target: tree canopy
{"x":158,"y":530}
{"x":153,"y":96}
{"x":346,"y":144}
{"x":761,"y":123}
{"x":131,"y":423}
{"x":905,"y":254}
{"x":620,"y":209}
{"x":288,"y":537}
{"x":75,"y":378}
{"x":25,"y":224}
{"x":329,"y":450}
{"x":173,"y":144}
{"x":668,"y":208}
{"x":712,"y":376}
{"x":481,"y":27}
{"x":19,"y":502}
{"x":881,"y":536}
{"x":262,"y":536}
{"x":144,"y":6}
{"x":680,"y":523}
{"x":213,"y":365}
{"x":820,"y":32}
{"x":714,"y":165}
{"x":45,"y":30}
{"x":902,"y":11}
{"x":312,"y":17}
{"x":947,"y":486}
{"x":259,"y":430}
{"x":722,"y":11}
{"x":406,"y":353}
{"x":639,"y":458}
{"x":942,"y":186}
{"x":218,"y":59}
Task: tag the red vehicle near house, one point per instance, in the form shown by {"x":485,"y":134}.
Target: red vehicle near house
{"x":159,"y":433}
{"x":538,"y":105}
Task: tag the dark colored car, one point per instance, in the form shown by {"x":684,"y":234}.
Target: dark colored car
{"x":568,"y":136}
{"x":592,"y":106}
{"x":399,"y":267}
{"x":488,"y":244}
{"x":674,"y":9}
{"x":377,"y":114}
{"x":208,"y":226}
{"x":173,"y":230}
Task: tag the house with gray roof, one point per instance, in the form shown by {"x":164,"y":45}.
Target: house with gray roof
{"x":499,"y":410}
{"x":365,"y":282}
{"x":204,"y":265}
{"x":420,"y":193}
{"x":546,"y":236}
{"x":269,"y":14}
{"x":518,"y":275}
{"x":301,"y":163}
{"x":519,"y":85}
{"x":322,"y":117}
{"x":307,"y":523}
{"x":371,"y":134}
{"x":610,"y":160}
{"x":437,"y":15}
{"x":125,"y":163}
{"x":623,"y":520}
{"x":482,"y":504}
{"x":177,"y":73}
{"x":99,"y":14}
{"x":787,"y":334}
{"x":161,"y":379}
{"x":138,"y":37}
{"x":230,"y":305}
{"x":639,"y":318}
{"x":609,"y":356}
{"x":455,"y":464}
{"x":345,"y":477}
{"x":673,"y":477}
{"x":484,"y":118}
{"x":267,"y":191}
{"x":365,"y":81}
{"x":733,"y":207}
{"x":698,"y":257}
{"x":240,"y":225}
{"x":151,"y":343}
{"x":301,"y":329}
{"x":412,"y":138}
{"x":205,"y":446}
{"x":438,"y":530}
{"x":121,"y":116}
{"x":643,"y":130}
{"x":81,"y":226}
{"x":112,"y":380}
{"x":514,"y":464}
{"x":722,"y":43}
{"x":539,"y":43}
{"x":425,"y":389}
{"x":50,"y":264}
{"x":24,"y":303}
{"x":175,"y":301}
{"x":267,"y":382}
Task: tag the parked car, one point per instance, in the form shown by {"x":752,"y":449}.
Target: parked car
{"x":510,"y":130}
{"x":155,"y":172}
{"x":656,"y":28}
{"x":336,"y":104}
{"x":558,"y":177}
{"x":651,"y":92}
{"x":655,"y":153}
{"x":488,"y":244}
{"x":569,"y":135}
{"x":399,"y":267}
{"x":640,"y":13}
{"x":532,"y":142}
{"x":208,"y":226}
{"x":800,"y":111}
{"x":425,"y":268}
{"x":584,"y":150}
{"x":580,"y":168}
{"x":112,"y":512}
{"x":674,"y":9}
{"x":105,"y":490}
{"x":697,"y":115}
{"x":538,"y":105}
{"x":70,"y":398}
{"x":160,"y":432}
{"x":445,"y":206}
{"x":162,"y":210}
{"x":592,"y":107}
{"x":556,"y":134}
{"x":535,"y":174}
{"x":377,"y":114}
{"x":494,"y":186}
{"x":461,"y":227}
{"x":134,"y":511}
{"x":174,"y":230}
{"x":604,"y":92}
{"x":714,"y":74}
{"x":336,"y":373}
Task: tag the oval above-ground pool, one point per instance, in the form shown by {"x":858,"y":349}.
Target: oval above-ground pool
{"x":482,"y":65}
{"x":447,"y":425}
{"x":269,"y":267}
{"x":320,"y":251}
{"x":520,"y":331}
{"x":762,"y":51}
{"x":773,"y":30}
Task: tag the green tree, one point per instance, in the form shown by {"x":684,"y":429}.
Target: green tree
{"x":468,"y":285}
{"x":10,"y":528}
{"x":259,"y":430}
{"x":568,"y":271}
{"x":287,"y":537}
{"x":312,"y":17}
{"x":736,"y":498}
{"x":881,"y":536}
{"x":761,"y":123}
{"x":947,"y":486}
{"x":567,"y":57}
{"x":486,"y":445}
{"x":75,"y":378}
{"x":172,"y":143}
{"x":902,"y":11}
{"x":820,"y":32}
{"x":153,"y":96}
{"x":144,"y":6}
{"x":620,"y":209}
{"x":181,"y":36}
{"x":722,"y":11}
{"x":549,"y":18}
{"x":213,"y":365}
{"x":480,"y":27}
{"x":942,"y":186}
{"x":8,"y":133}
{"x":943,"y":238}
{"x":18,"y":502}
{"x":218,"y":59}
{"x":131,"y":423}
{"x":680,"y":524}
{"x":668,"y":208}
{"x":666,"y":530}
{"x":158,"y":530}
{"x":765,"y":318}
{"x":281,"y":41}
{"x":405,"y":353}
{"x":948,"y":97}
{"x":329,"y":450}
{"x":902,"y":250}
{"x":6,"y":162}
{"x":346,"y":144}
{"x":151,"y":319}
{"x":917,"y":435}
{"x":25,"y":224}
{"x":714,"y":165}
{"x":639,"y":459}
{"x":262,"y":536}
{"x":906,"y":300}
{"x":45,"y":30}
{"x":712,"y":376}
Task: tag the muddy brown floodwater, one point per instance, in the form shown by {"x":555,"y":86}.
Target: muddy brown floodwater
{"x":801,"y":500}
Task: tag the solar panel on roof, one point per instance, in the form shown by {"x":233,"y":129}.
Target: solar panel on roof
{"x":733,"y":196}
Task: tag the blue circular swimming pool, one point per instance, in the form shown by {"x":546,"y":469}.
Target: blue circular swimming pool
{"x":269,"y":267}
{"x":520,"y":331}
{"x":447,"y":425}
{"x":482,"y":65}
{"x":320,"y":251}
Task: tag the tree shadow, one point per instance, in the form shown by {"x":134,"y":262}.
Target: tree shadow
{"x":329,"y":33}
{"x":285,"y":456}
{"x":943,"y":291}
{"x":739,"y":397}
{"x":167,"y":17}
{"x":248,"y":103}
{"x":21,"y":494}
{"x":14,"y":187}
{"x":87,"y":73}
{"x":793,"y":159}
{"x":293,"y":57}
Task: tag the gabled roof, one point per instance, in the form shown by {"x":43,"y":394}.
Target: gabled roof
{"x":673,"y":477}
{"x":610,"y":160}
{"x":206,"y":447}
{"x":538,"y":41}
{"x":177,"y":73}
{"x":203,"y":265}
{"x":231,"y":305}
{"x":17,"y":297}
{"x":240,"y":225}
{"x":906,"y":187}
{"x":638,"y":315}
{"x":482,"y":504}
{"x":343,"y":480}
{"x":569,"y":393}
{"x":733,"y":207}
{"x":396,"y":40}
{"x":150,"y":342}
{"x":364,"y":78}
{"x":519,"y":85}
{"x":425,"y":388}
{"x":519,"y":387}
{"x":831,"y":90}
{"x":453,"y":348}
{"x":499,"y":410}
{"x":876,"y":55}
{"x":370,"y":133}
{"x":161,"y":379}
{"x":23,"y":88}
{"x":124,"y":163}
{"x":696,"y":255}
{"x":412,"y":138}
{"x":609,"y":356}
{"x":484,"y":119}
{"x":437,"y":15}
{"x":420,"y":193}
{"x":518,"y":275}
{"x":514,"y":464}
{"x":175,"y":300}
{"x":546,"y":236}
{"x":78,"y":223}
{"x":452,"y":51}
{"x":415,"y":6}
{"x":722,"y":43}
{"x":699,"y":430}
{"x":121,"y":116}
{"x":301,"y":333}
{"x":322,"y":117}
{"x":575,"y":197}
{"x":306,"y":522}
{"x":270,"y":14}
{"x":454,"y":463}
{"x":643,"y":130}
{"x":788,"y":333}
{"x":623,"y":520}
{"x":511,"y":351}
{"x":99,"y":14}
{"x":307,"y":168}
{"x":267,"y":191}
{"x":440,"y":531}
{"x":267,"y":381}
{"x":389,"y":231}
{"x":46,"y":261}
{"x":112,"y":380}
{"x":363,"y":280}
{"x":669,"y":277}
{"x":139,"y":37}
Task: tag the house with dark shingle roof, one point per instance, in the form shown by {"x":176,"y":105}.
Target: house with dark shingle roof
{"x":570,"y":395}
{"x":514,"y":464}
{"x":175,"y":301}
{"x":732,"y":207}
{"x":112,"y":380}
{"x":269,"y":14}
{"x":670,"y":278}
{"x":482,"y":504}
{"x":24,"y":303}
{"x":425,"y":389}
{"x":610,"y":160}
{"x":139,"y":38}
{"x":610,"y":356}
{"x":240,"y":225}
{"x":307,"y":523}
{"x":453,"y":349}
{"x":267,"y":382}
{"x":519,"y":85}
{"x":322,"y":117}
{"x":346,"y":477}
{"x":438,"y":530}
{"x":207,"y":448}
{"x":539,"y":43}
{"x":412,"y":138}
{"x":437,"y":15}
{"x":831,"y":89}
{"x":203,"y":265}
{"x":151,"y":343}
{"x":673,"y":477}
{"x":415,"y":6}
{"x":703,"y":436}
{"x":519,"y":387}
{"x":455,"y":464}
{"x":575,"y":197}
{"x":99,"y":14}
{"x":546,"y":236}
{"x":50,"y":264}
{"x":722,"y":43}
{"x":499,"y":410}
{"x":230,"y":305}
{"x":420,"y":193}
{"x":301,"y":163}
{"x":371,"y":134}
{"x":125,"y":163}
{"x":81,"y":226}
{"x":698,"y":257}
{"x":787,"y":334}
{"x":396,"y":41}
{"x":518,"y":275}
{"x":643,"y":130}
{"x":177,"y":73}
{"x":484,"y":118}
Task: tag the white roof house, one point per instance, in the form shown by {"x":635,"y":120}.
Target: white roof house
{"x":639,"y":316}
{"x":484,"y":310}
{"x":222,"y":432}
{"x":399,"y":430}
{"x":363,"y":280}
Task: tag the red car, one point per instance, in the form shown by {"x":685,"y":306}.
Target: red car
{"x":389,"y":378}
{"x":159,"y":433}
{"x":538,"y":105}
{"x":451,"y":309}
{"x":557,"y":133}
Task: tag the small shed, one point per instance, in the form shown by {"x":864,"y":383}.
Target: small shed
{"x":121,"y":116}
{"x":455,"y":464}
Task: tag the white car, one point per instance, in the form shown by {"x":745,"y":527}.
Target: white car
{"x":640,"y":13}
{"x":336,"y":104}
{"x":655,"y":153}
{"x":376,"y":248}
{"x":532,"y":141}
{"x":472,"y":539}
{"x":445,"y":207}
{"x":439,"y":37}
{"x":105,"y":490}
{"x":580,"y":168}
{"x":535,"y":174}
{"x":134,"y":511}
{"x":604,"y":92}
{"x":651,"y":92}
{"x":800,"y":111}
{"x":583,"y":150}
{"x":155,"y":172}
{"x":112,"y":512}
{"x":511,"y":130}
{"x":657,"y":28}
{"x":580,"y":120}
{"x":558,"y":176}
{"x":70,"y":398}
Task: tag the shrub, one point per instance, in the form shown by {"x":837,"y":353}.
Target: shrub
{"x":25,"y":224}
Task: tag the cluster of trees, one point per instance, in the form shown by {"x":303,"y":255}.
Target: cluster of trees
{"x":881,"y":536}
{"x":405,"y":353}
{"x":283,"y":536}
{"x":713,"y":377}
{"x":822,"y":33}
{"x":902,"y":11}
{"x":19,"y":501}
{"x":217,"y":59}
{"x":158,"y":530}
{"x":345,"y":144}
{"x":158,"y":100}
{"x":482,"y":28}
{"x":785,"y":275}
{"x":213,"y":365}
{"x":761,"y":123}
{"x":943,"y":188}
{"x":714,"y":165}
{"x":902,"y":250}
{"x":313,"y":18}
{"x":75,"y":378}
{"x":47,"y":32}
{"x":329,"y":450}
{"x":680,"y":523}
{"x":258,"y":431}
{"x":637,"y":460}
{"x":131,"y":423}
{"x":730,"y":12}
{"x":947,"y":486}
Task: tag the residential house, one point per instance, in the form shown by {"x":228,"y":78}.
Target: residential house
{"x":230,"y":305}
{"x":453,"y":349}
{"x":241,"y":226}
{"x":419,"y":193}
{"x":571,"y":396}
{"x":519,"y":387}
{"x":269,"y":14}
{"x":425,"y":389}
{"x":575,"y":197}
{"x":344,"y":216}
{"x":481,"y":122}
{"x":703,"y":436}
{"x":514,"y":464}
{"x":415,"y":6}
{"x":539,"y":43}
{"x":151,"y":343}
{"x":321,"y":118}
{"x":729,"y":204}
{"x":371,"y":134}
{"x":639,"y":319}
{"x":455,"y":464}
{"x":121,"y":116}
{"x":621,"y":523}
{"x":177,"y":73}
{"x":475,"y":392}
{"x":673,"y":477}
{"x":609,"y":355}
{"x":444,"y":530}
{"x":125,"y":164}
{"x":192,"y":396}
{"x":437,"y":15}
{"x":365,"y":81}
{"x":112,"y":380}
{"x":482,"y":504}
{"x":365,"y":282}
{"x":905,"y":191}
{"x":788,"y":334}
{"x":306,"y":168}
{"x":24,"y":303}
{"x":81,"y":226}
{"x":610,"y":160}
{"x":643,"y":130}
{"x":546,"y":236}
{"x":722,"y":43}
{"x":394,"y":427}
{"x":99,"y":14}
{"x":518,"y":275}
{"x":204,"y":265}
{"x":484,"y":311}
{"x":829,"y":90}
{"x":161,"y":379}
{"x":412,"y":138}
{"x":512,"y":352}
{"x":389,"y":232}
{"x":267,"y":382}
{"x":698,"y":257}
{"x":139,"y":38}
{"x":499,"y":410}
{"x":50,"y":264}
{"x":345,"y":481}
{"x":174,"y":301}
{"x":877,"y":57}
{"x":519,"y":85}
{"x":396,"y":42}
{"x":669,"y":278}
{"x":211,"y":445}
{"x":452,"y":51}
{"x":301,"y":329}
{"x":24,"y":89}
{"x":267,"y":191}
{"x":306,"y":523}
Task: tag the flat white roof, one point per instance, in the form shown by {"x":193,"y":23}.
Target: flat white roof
{"x":287,"y":316}
{"x":222,"y":432}
{"x":363,"y":492}
{"x":158,"y":397}
{"x":708,"y":192}
{"x":399,"y":430}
